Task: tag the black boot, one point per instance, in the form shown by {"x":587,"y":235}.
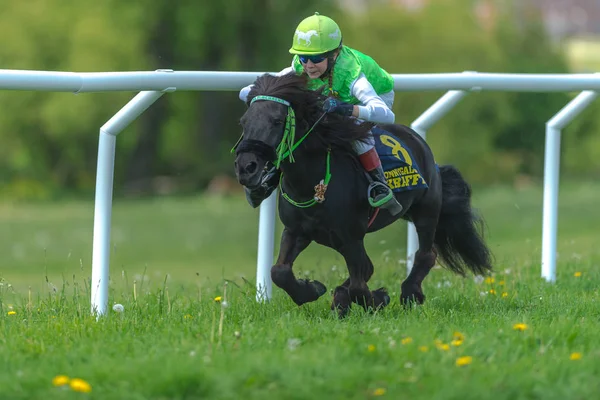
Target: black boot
{"x":380,"y":194}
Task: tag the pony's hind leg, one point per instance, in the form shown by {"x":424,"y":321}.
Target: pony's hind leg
{"x":300,"y":290}
{"x":424,"y":258}
{"x":355,"y":288}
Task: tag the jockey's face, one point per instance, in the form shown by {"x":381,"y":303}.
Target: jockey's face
{"x":316,"y":65}
{"x":315,"y":70}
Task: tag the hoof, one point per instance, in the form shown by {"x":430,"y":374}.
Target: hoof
{"x":412,"y":295}
{"x":414,"y":298}
{"x":380,"y":298}
{"x":319,"y":288}
{"x":311,"y":291}
{"x":341,"y":301}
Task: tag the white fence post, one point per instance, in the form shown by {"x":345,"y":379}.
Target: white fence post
{"x":421,"y":125}
{"x":551,"y":179}
{"x":104,"y":192}
{"x":266,"y":246}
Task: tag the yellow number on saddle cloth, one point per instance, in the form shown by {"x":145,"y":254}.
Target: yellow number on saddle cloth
{"x":396,"y":148}
{"x":402,"y":177}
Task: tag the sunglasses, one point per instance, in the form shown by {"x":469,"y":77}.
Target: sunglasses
{"x":316,"y":59}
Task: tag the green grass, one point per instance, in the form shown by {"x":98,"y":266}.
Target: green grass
{"x":169,"y":342}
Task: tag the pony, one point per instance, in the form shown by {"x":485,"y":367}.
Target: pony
{"x":323,"y":194}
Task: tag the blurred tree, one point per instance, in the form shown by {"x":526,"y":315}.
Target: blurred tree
{"x":48,"y":141}
{"x":527,"y":50}
{"x":143,"y":163}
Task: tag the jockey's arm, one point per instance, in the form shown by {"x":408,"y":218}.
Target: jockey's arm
{"x":372,"y":108}
{"x":246,"y":90}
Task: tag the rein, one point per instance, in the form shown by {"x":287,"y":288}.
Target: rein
{"x":286,"y":148}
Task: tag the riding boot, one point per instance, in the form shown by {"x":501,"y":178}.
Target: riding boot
{"x":380,"y":194}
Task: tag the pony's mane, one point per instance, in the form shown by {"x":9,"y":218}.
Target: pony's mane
{"x":334,"y":131}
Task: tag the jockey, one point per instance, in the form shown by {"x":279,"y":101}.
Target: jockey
{"x":356,"y":85}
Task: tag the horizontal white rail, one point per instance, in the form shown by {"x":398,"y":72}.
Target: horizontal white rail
{"x":221,"y":80}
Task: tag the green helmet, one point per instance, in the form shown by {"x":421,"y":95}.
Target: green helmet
{"x":316,"y":34}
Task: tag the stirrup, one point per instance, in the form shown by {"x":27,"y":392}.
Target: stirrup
{"x":388,"y":202}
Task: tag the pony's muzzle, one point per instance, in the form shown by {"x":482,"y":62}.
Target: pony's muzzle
{"x":249,"y":170}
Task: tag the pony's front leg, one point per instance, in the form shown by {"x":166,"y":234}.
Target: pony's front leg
{"x":355,"y":288}
{"x":300,"y":290}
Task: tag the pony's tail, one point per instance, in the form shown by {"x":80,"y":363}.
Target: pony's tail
{"x":459,"y":233}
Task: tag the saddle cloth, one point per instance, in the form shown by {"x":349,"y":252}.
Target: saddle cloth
{"x":400,"y":168}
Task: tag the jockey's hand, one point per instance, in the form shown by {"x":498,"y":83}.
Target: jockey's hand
{"x":336,"y":106}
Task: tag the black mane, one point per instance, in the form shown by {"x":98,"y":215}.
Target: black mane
{"x":334,"y":131}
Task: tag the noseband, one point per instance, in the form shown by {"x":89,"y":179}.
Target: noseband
{"x":262,"y":150}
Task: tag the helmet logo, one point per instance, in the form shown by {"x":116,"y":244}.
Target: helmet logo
{"x":336,"y":34}
{"x":305,"y":36}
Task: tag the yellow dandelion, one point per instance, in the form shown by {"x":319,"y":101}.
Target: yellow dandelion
{"x":575,"y":356}
{"x":458,"y":336}
{"x":489,"y":280}
{"x":218,"y":299}
{"x":502,"y":283}
{"x":423,"y":349}
{"x":456,"y":342}
{"x":504,"y":294}
{"x":520,"y":327}
{"x":371,"y":348}
{"x":187,"y":316}
{"x":60,"y":380}
{"x":406,"y":340}
{"x":577,"y":274}
{"x":79,"y":385}
{"x":462,"y":361}
{"x":442,"y":346}
{"x":379,"y":392}
{"x":12,"y":313}
{"x":492,"y":291}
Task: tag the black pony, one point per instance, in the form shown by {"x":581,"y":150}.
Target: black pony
{"x":323,"y":194}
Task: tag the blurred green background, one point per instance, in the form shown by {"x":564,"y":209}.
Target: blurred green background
{"x":174,"y":172}
{"x":48,"y":141}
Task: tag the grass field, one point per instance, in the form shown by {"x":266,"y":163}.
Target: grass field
{"x":171,"y":257}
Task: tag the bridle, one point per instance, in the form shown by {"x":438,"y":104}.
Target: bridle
{"x":285,"y":150}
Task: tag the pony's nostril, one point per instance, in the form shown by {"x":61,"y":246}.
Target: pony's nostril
{"x":251,"y":167}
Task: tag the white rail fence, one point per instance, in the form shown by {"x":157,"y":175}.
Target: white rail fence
{"x":153,"y":84}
